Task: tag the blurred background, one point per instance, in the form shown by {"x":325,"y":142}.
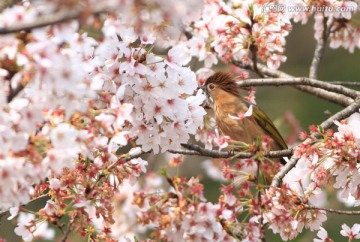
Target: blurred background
{"x":337,"y":65}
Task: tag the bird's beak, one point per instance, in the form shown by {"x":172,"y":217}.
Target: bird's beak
{"x":206,"y":103}
{"x":201,"y":87}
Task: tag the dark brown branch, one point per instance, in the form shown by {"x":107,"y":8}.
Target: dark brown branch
{"x":331,"y":210}
{"x":14,"y":92}
{"x":299,"y":81}
{"x":329,"y":96}
{"x":58,"y":17}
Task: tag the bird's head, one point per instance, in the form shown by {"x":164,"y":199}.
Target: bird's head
{"x":219,"y":84}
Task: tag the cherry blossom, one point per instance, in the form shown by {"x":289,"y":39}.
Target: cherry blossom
{"x":323,"y":236}
{"x":352,"y":233}
{"x":28,"y":229}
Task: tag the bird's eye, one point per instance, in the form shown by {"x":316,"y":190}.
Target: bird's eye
{"x":211,"y":86}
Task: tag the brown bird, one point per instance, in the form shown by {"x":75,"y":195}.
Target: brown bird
{"x":224,"y":97}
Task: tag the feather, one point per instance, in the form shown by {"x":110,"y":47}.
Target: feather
{"x":265,"y":123}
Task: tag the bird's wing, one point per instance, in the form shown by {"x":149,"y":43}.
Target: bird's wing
{"x":265,"y":122}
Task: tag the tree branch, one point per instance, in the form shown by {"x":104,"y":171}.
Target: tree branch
{"x":299,"y":81}
{"x":58,"y":17}
{"x":349,"y":84}
{"x":193,"y":149}
{"x":329,"y":96}
{"x":277,"y":179}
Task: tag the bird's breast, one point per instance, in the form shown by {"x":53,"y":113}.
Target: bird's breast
{"x":245,"y":130}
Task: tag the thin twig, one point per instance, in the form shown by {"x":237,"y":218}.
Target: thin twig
{"x":58,"y":17}
{"x":320,"y":47}
{"x":299,"y":81}
{"x":331,"y":210}
{"x":68,"y":230}
{"x":349,"y":84}
{"x":343,"y":114}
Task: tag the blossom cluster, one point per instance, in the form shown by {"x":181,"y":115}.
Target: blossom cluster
{"x":285,"y":213}
{"x":239,"y":31}
{"x":243,"y":30}
{"x":182,"y":214}
{"x":164,"y":112}
{"x":78,"y":95}
{"x":335,"y":155}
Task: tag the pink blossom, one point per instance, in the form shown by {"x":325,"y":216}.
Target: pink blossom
{"x":353,"y":233}
{"x":323,"y":236}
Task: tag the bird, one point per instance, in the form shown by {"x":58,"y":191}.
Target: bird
{"x":223,"y":96}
